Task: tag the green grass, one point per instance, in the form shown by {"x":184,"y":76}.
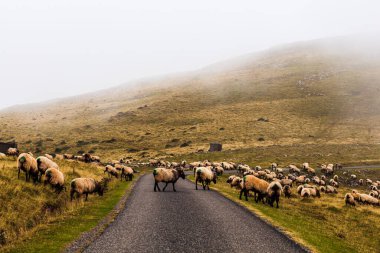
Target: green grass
{"x":323,"y":225}
{"x":53,"y":237}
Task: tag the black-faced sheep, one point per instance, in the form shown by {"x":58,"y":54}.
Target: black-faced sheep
{"x":349,"y":199}
{"x":205,"y":176}
{"x":27,"y":164}
{"x":167,"y":176}
{"x":87,"y":186}
{"x":237,"y":183}
{"x":126,"y":172}
{"x":43,"y":164}
{"x":287,"y":191}
{"x":55,"y":178}
{"x":255,"y":184}
{"x":273,"y":193}
{"x":112,"y":172}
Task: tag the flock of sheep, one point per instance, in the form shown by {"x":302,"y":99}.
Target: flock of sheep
{"x":36,"y":168}
{"x":269,"y":184}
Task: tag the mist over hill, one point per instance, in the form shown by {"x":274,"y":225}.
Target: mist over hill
{"x":313,"y":92}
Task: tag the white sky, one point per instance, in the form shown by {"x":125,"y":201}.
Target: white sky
{"x":51,"y":48}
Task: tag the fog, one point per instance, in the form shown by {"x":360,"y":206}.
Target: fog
{"x":51,"y":49}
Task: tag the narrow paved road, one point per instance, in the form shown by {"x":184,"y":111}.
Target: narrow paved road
{"x":187,"y":221}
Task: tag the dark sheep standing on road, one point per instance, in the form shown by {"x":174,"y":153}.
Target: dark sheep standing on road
{"x":167,"y":176}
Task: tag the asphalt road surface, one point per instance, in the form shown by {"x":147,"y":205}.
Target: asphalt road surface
{"x":187,"y":221}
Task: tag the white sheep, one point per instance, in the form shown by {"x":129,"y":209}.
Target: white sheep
{"x":43,"y":164}
{"x":55,"y":178}
{"x":27,"y":164}
{"x":205,"y":176}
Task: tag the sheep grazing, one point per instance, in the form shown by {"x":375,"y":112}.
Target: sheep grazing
{"x":336,"y":178}
{"x":87,"y":186}
{"x":237,"y":183}
{"x":27,"y":164}
{"x":205,"y":176}
{"x":286,"y":181}
{"x":55,"y":178}
{"x":2,"y":156}
{"x":349,"y":199}
{"x":305,"y":166}
{"x":227,"y":166}
{"x":368,"y":200}
{"x":313,"y":192}
{"x":126,"y":172}
{"x":368,"y":181}
{"x":68,"y":156}
{"x":273,"y":193}
{"x":334,"y":183}
{"x":322,"y":189}
{"x":331,"y":189}
{"x":230,"y":178}
{"x":167,"y":176}
{"x":374,"y":194}
{"x":305,"y":192}
{"x":219,"y":170}
{"x":243,"y":168}
{"x":13,"y":152}
{"x":323,"y":177}
{"x":43,"y":164}
{"x":294,"y":169}
{"x":300,"y":179}
{"x":361,"y":181}
{"x":112,"y":172}
{"x":49,"y":156}
{"x":353,"y":177}
{"x":257,"y":185}
{"x":274,"y":166}
{"x":59,"y":157}
{"x":287,"y":191}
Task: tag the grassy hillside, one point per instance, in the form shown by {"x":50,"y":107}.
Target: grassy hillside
{"x":31,"y":214}
{"x":322,"y":92}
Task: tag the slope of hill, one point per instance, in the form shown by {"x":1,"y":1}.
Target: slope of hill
{"x":323,"y":92}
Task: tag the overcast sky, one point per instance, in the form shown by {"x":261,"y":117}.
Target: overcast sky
{"x":52,"y":49}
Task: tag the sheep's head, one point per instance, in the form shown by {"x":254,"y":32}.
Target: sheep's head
{"x":181,"y":173}
{"x":102,"y":186}
{"x":22,"y":159}
{"x":214,"y":177}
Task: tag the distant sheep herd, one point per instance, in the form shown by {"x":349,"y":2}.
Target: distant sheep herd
{"x":268,"y":185}
{"x":35,"y":168}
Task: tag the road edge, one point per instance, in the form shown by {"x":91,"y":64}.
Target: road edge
{"x":86,"y":238}
{"x":267,"y":221}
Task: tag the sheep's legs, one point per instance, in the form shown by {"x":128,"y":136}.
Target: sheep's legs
{"x":241,"y":193}
{"x":86,"y":196}
{"x":71,"y":195}
{"x":196,"y":183}
{"x":203,"y":184}
{"x":18,"y":175}
{"x":246,"y":192}
{"x":156,"y":186}
{"x":174,"y":188}
{"x":166,"y":184}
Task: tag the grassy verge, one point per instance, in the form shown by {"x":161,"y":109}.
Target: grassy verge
{"x":323,"y":225}
{"x":51,"y":231}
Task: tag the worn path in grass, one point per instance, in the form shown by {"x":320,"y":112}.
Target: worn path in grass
{"x":187,"y":221}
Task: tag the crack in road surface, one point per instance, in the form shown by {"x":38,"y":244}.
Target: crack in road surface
{"x":187,"y":221}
